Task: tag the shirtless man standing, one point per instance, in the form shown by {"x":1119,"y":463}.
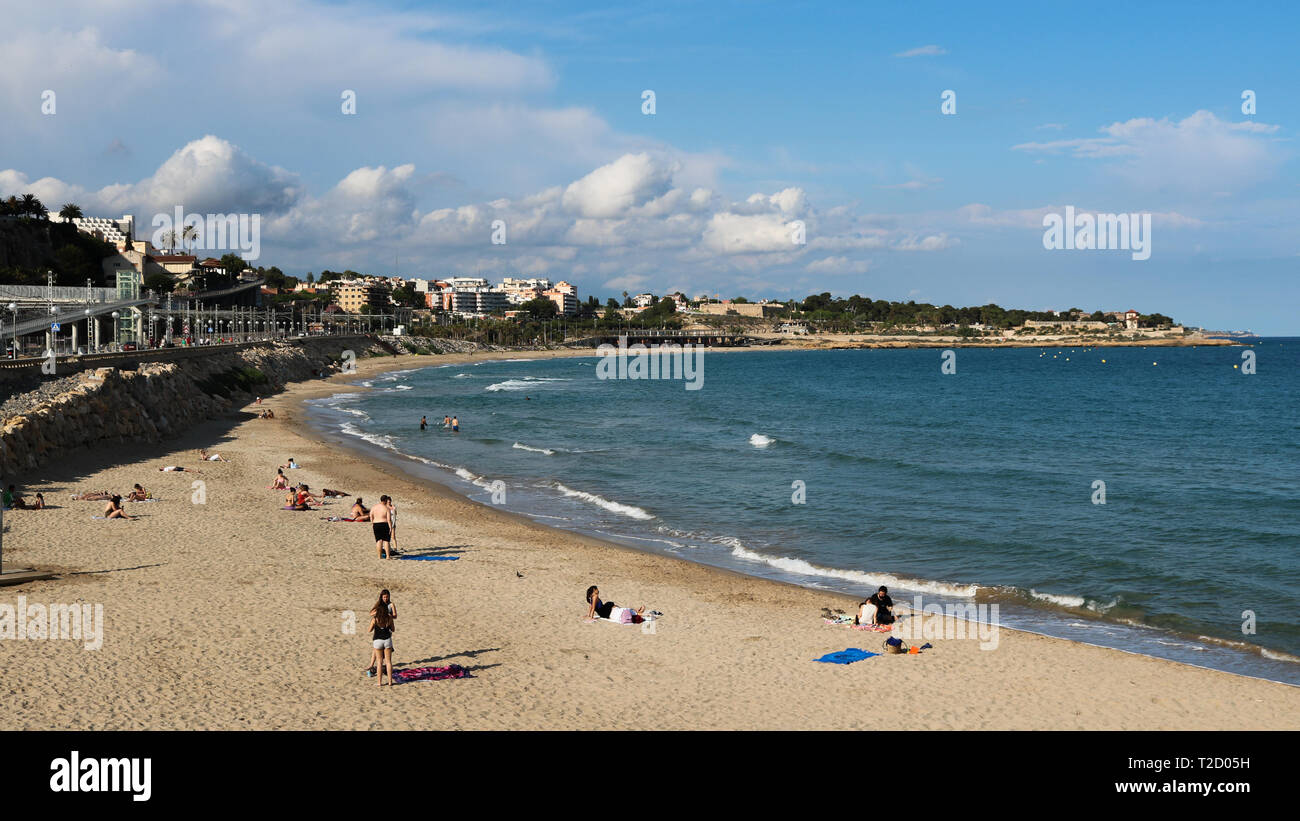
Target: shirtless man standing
{"x":380,"y":525}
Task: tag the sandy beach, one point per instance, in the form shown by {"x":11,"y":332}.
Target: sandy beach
{"x":222,"y":611}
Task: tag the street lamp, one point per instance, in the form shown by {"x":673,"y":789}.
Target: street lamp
{"x":116,"y":314}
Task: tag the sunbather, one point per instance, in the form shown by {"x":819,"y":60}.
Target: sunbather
{"x":92,"y":496}
{"x":360,"y":513}
{"x":114,"y":509}
{"x":138,"y":494}
{"x":599,"y":609}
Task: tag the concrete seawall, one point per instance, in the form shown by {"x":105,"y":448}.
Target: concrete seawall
{"x":150,"y":401}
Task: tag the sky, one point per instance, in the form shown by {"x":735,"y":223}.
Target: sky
{"x":793,"y":148}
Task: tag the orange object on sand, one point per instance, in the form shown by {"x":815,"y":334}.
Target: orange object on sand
{"x":912,"y":651}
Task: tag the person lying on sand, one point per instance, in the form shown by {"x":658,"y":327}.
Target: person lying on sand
{"x":178,"y":469}
{"x":92,"y":496}
{"x":603,"y":609}
{"x":114,"y":509}
{"x":332,"y":493}
{"x":291,"y":466}
{"x":214,"y":457}
{"x":360,"y":513}
{"x":138,"y":494}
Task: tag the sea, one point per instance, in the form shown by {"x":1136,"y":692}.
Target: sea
{"x":1145,"y":499}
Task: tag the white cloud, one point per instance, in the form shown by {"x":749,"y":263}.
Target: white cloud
{"x":837,"y":265}
{"x":614,"y":189}
{"x":1199,"y":153}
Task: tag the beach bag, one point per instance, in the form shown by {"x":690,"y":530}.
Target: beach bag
{"x":893,"y":644}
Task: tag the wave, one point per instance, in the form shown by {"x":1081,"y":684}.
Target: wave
{"x":382,"y":440}
{"x":758,"y":440}
{"x":519,"y":446}
{"x":1063,"y":601}
{"x":524,"y":384}
{"x":804,"y":568}
{"x":631,"y":511}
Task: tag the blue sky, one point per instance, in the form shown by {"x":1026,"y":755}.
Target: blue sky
{"x":766,"y":114}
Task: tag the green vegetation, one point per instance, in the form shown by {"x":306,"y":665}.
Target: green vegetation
{"x":246,"y":380}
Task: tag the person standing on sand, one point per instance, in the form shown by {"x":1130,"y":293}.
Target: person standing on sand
{"x":385,"y":600}
{"x":380,"y":526}
{"x":381,"y":628}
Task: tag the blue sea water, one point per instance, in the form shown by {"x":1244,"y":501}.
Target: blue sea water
{"x":977,"y":485}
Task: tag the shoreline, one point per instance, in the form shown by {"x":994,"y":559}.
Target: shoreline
{"x":418,"y":471}
{"x":732,"y":652}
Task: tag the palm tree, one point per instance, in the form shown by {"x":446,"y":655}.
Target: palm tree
{"x":190,"y":233}
{"x":70,"y":211}
{"x":169,"y":237}
{"x":32,"y":206}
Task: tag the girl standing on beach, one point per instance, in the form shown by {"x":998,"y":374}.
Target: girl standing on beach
{"x":381,"y":628}
{"x":385,"y":602}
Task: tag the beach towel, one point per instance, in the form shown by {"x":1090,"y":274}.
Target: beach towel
{"x":291,"y":507}
{"x":430,"y":558}
{"x":430,"y":673}
{"x":846,"y":656}
{"x":337,"y":519}
{"x":847,"y":621}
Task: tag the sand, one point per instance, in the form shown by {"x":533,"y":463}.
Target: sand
{"x":233,"y":614}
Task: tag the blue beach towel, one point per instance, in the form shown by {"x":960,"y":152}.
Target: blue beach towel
{"x":430,"y":558}
{"x":847,"y":656}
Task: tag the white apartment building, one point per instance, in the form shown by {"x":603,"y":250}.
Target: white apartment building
{"x":118,"y":232}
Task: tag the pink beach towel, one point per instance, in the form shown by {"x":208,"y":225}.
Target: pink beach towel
{"x":430,"y":673}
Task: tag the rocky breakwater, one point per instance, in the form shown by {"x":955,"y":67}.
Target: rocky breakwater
{"x":155,"y":401}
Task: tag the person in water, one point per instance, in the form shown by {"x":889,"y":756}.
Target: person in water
{"x":603,"y":609}
{"x":455,"y":424}
{"x":879,"y":609}
{"x":423,"y":422}
{"x":446,"y":421}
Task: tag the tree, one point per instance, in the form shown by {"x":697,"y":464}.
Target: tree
{"x":32,"y":207}
{"x":540,"y":308}
{"x":408,"y":297}
{"x":70,"y":211}
{"x":159,"y":283}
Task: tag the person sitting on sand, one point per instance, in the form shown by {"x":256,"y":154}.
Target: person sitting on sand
{"x":604,"y":609}
{"x":214,"y":457}
{"x":138,"y":494}
{"x":39,"y":504}
{"x":385,"y":602}
{"x":114,"y":509}
{"x":360,"y":513}
{"x":305,"y":493}
{"x":382,"y":626}
{"x":13,"y":501}
{"x":879,"y":609}
{"x":281,"y":481}
{"x":270,"y":414}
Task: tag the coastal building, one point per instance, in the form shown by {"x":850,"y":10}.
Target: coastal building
{"x":752,"y":309}
{"x":352,"y":295}
{"x":643,"y":300}
{"x":117,"y":232}
{"x":566,"y":302}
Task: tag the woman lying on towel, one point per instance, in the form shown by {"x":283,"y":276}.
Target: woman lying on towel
{"x":879,"y":609}
{"x":608,"y":610}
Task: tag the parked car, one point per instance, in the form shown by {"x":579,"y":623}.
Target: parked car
{"x":129,"y":346}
